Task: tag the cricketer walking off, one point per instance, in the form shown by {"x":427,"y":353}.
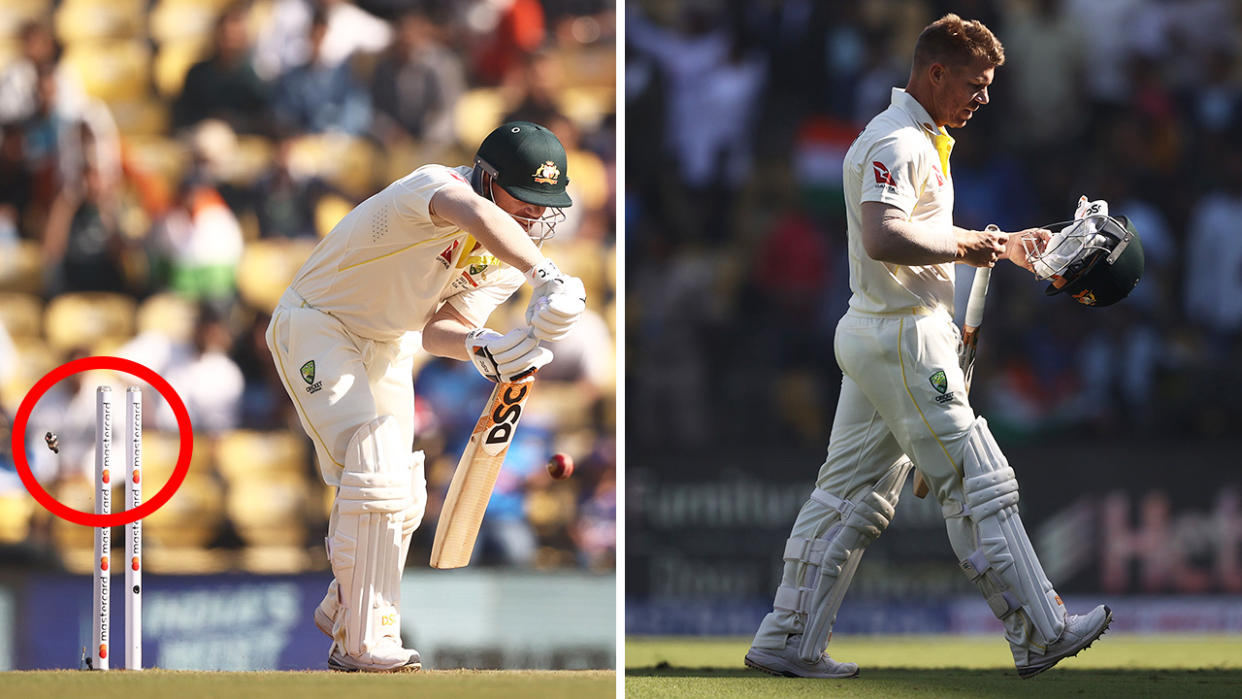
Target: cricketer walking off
{"x":903,"y":402}
{"x":418,"y":267}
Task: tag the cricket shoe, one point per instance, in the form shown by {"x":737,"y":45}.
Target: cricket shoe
{"x":1081,"y":630}
{"x":325,"y":613}
{"x":786,"y":662}
{"x":387,"y":656}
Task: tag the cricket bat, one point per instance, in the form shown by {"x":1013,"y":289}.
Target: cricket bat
{"x":475,"y":477}
{"x":970,"y":341}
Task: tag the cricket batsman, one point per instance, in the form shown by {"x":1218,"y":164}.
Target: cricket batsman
{"x":903,"y":401}
{"x":418,"y":267}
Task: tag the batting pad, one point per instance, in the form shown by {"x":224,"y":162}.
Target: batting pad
{"x":1004,"y":565}
{"x":365,"y":547}
{"x":818,"y":571}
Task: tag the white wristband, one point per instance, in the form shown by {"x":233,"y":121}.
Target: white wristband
{"x":543,"y":271}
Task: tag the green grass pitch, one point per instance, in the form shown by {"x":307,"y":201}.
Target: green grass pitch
{"x":119,"y":684}
{"x":1117,"y":665}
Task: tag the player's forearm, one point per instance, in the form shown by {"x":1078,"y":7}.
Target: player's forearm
{"x":902,"y":242}
{"x":489,"y":225}
{"x":446,"y":337}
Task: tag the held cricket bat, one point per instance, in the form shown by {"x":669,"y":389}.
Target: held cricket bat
{"x":970,"y":341}
{"x":471,"y":487}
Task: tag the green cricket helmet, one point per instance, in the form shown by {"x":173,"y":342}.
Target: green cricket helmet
{"x":1099,"y":258}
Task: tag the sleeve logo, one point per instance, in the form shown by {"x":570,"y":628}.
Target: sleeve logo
{"x":882,"y":175}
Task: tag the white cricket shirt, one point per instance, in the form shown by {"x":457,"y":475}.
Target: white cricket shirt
{"x":386,"y":268}
{"x":900,"y":159}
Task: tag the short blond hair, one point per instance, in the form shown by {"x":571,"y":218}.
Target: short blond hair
{"x":954,"y":41}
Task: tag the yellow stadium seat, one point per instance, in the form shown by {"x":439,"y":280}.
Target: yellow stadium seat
{"x":181,"y":20}
{"x":92,"y":20}
{"x":173,"y":60}
{"x":246,"y":452}
{"x":590,"y":66}
{"x":21,"y":268}
{"x":563,"y":403}
{"x":69,"y":538}
{"x":268,"y":486}
{"x":610,"y":317}
{"x":21,"y":315}
{"x":34,"y":359}
{"x":348,"y":162}
{"x":81,"y":319}
{"x":10,"y":49}
{"x":16,"y":509}
{"x":329,"y":212}
{"x":477,"y":112}
{"x":141,"y":117}
{"x":252,"y":156}
{"x":403,"y":157}
{"x":275,"y":560}
{"x":585,"y":260}
{"x":111,"y":70}
{"x":193,"y":517}
{"x":168,"y":314}
{"x":164,"y":157}
{"x":588,"y":105}
{"x":588,"y":177}
{"x":267,"y":267}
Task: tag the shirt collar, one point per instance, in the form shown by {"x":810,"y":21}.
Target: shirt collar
{"x":905,"y":101}
{"x":941,"y":139}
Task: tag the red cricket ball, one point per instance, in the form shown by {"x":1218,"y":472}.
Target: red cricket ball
{"x":560,"y":466}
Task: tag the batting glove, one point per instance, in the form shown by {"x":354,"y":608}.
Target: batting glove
{"x":507,"y":357}
{"x":556,"y":304}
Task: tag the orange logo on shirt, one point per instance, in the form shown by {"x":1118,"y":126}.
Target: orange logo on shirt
{"x":882,"y":175}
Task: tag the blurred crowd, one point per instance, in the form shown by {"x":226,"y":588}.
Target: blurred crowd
{"x":165,"y":168}
{"x":738,"y":116}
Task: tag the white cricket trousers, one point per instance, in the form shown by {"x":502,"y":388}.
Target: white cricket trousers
{"x":354,"y":381}
{"x":902,"y":397}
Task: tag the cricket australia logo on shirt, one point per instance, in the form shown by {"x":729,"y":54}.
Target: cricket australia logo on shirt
{"x":308,"y":375}
{"x":940,"y":382}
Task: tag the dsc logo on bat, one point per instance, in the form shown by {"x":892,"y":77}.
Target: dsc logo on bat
{"x":505,"y":417}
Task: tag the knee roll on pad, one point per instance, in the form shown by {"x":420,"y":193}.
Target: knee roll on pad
{"x":1004,"y":566}
{"x":366,"y":543}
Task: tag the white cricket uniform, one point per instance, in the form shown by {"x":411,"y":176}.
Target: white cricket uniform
{"x":902,"y":390}
{"x":344,"y":334}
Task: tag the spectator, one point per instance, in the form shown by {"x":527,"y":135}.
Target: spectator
{"x":283,"y":201}
{"x":416,"y":85}
{"x":283,"y":42}
{"x":225,"y":85}
{"x":45,"y":134}
{"x":1214,"y":256}
{"x":514,"y":28}
{"x":208,"y":381}
{"x":19,"y":93}
{"x":198,"y":244}
{"x":82,"y":243}
{"x":318,"y":96}
{"x":15,"y":184}
{"x":1046,"y":66}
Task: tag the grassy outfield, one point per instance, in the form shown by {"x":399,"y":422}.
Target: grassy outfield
{"x":119,"y":684}
{"x":943,"y":666}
